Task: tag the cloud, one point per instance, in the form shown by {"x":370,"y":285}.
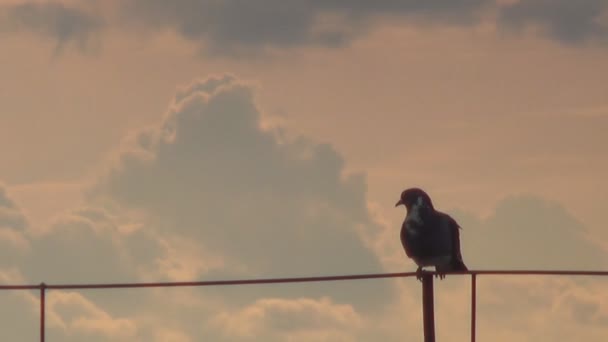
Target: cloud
{"x":79,"y":246}
{"x":229,"y":26}
{"x":10,"y":215}
{"x":243,"y":28}
{"x":19,"y":318}
{"x":77,"y":315}
{"x":522,"y":232}
{"x":13,"y":225}
{"x":211,"y":192}
{"x":216,"y":195}
{"x":527,"y":232}
{"x":167,"y":335}
{"x":290,"y":319}
{"x":584,"y":306}
{"x":567,"y":21}
{"x":90,"y":245}
{"x":257,"y":204}
{"x":210,"y":174}
{"x":541,"y":308}
{"x":83,"y":245}
{"x":65,"y":24}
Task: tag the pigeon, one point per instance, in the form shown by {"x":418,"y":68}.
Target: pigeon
{"x":429,"y":237}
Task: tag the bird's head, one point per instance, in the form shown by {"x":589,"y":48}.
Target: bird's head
{"x":414,"y":197}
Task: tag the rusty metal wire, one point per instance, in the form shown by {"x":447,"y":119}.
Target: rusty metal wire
{"x":43,"y":287}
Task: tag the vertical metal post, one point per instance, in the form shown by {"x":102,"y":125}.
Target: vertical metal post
{"x":473,"y":304}
{"x":428,"y":310}
{"x":42,"y":302}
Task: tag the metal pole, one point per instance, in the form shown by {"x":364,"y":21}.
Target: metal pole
{"x":42,"y":300}
{"x":473,"y":305}
{"x":428,"y":311}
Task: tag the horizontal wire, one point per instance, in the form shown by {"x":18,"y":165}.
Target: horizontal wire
{"x":292,"y":280}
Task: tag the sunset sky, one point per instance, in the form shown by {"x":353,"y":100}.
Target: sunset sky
{"x":149,"y":140}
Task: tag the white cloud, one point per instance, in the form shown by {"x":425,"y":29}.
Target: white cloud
{"x":290,"y":319}
{"x":166,"y":335}
{"x":75,"y":314}
{"x":181,"y":259}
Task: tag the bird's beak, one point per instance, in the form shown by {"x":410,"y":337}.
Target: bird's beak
{"x":400,"y":202}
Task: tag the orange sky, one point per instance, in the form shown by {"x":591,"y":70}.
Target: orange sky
{"x":126,"y":146}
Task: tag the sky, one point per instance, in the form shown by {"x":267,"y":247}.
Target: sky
{"x":202,"y":140}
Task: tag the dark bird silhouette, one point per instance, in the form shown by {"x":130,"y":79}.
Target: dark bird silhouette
{"x":429,"y":237}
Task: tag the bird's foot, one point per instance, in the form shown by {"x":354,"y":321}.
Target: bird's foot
{"x":439,"y":275}
{"x":440,"y":272}
{"x":419,"y":273}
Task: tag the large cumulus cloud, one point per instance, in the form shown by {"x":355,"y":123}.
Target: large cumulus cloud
{"x":209,"y":174}
{"x":256,"y":204}
{"x":206,"y":193}
{"x":209,"y":193}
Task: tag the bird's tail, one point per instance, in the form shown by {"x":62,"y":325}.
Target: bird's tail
{"x":458,"y":265}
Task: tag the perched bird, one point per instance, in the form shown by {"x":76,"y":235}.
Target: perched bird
{"x":429,"y":237}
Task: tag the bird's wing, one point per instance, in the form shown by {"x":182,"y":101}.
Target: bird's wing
{"x":450,"y":238}
{"x":406,"y":241}
{"x":454,"y":229}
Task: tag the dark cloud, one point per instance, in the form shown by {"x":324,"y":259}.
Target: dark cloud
{"x":565,"y":20}
{"x":235,"y":25}
{"x":238,"y":28}
{"x":266,"y":207}
{"x":52,"y":19}
{"x":583,"y":307}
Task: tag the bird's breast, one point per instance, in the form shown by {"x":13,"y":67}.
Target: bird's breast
{"x":433,"y":260}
